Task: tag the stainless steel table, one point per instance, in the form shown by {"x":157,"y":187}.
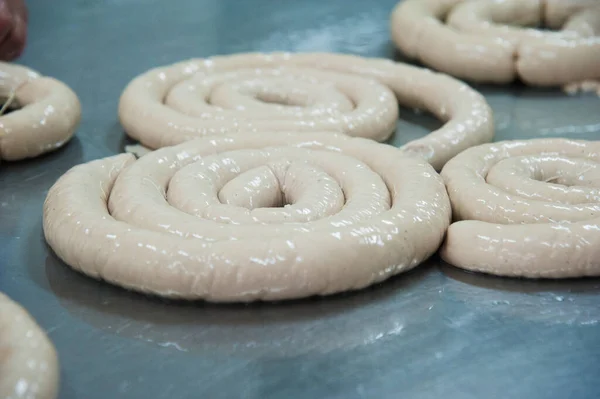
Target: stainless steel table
{"x":435,"y":332}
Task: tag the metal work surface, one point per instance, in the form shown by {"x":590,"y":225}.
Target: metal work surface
{"x":434,"y":332}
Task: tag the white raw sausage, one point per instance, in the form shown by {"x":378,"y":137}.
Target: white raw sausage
{"x":28,"y":362}
{"x":473,"y":40}
{"x":256,"y":216}
{"x":47,"y":114}
{"x":526,"y":208}
{"x":311,"y":92}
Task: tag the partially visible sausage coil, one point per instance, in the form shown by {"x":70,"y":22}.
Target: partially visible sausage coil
{"x":45,"y":113}
{"x":302,"y":93}
{"x":249,"y":216}
{"x":526,"y":208}
{"x":28,"y":362}
{"x":477,"y":40}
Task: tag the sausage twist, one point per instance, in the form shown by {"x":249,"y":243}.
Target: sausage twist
{"x":472,"y":40}
{"x":28,"y":362}
{"x":47,"y":114}
{"x":249,"y":216}
{"x":301,"y":92}
{"x":526,"y":208}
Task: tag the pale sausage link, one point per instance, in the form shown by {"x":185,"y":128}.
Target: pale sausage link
{"x":472,"y":40}
{"x":334,"y":92}
{"x":526,"y":208}
{"x":28,"y":362}
{"x":249,"y":216}
{"x":47,"y":115}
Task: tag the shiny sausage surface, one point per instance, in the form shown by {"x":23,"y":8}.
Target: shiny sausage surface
{"x":46,"y":116}
{"x":302,"y":92}
{"x":28,"y":362}
{"x":247,"y":217}
{"x":526,"y":208}
{"x":477,"y":40}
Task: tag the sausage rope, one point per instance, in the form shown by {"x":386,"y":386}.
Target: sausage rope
{"x":302,"y":93}
{"x":28,"y":362}
{"x":526,"y":208}
{"x":472,"y":40}
{"x":47,"y":114}
{"x":246,"y":217}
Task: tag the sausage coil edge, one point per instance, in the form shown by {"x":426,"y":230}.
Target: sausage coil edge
{"x":164,"y":251}
{"x":29,"y":365}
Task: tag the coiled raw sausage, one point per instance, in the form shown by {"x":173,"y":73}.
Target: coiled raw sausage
{"x":47,"y":114}
{"x":28,"y":362}
{"x":311,"y":92}
{"x":473,"y":40}
{"x":526,"y":208}
{"x":253,"y":216}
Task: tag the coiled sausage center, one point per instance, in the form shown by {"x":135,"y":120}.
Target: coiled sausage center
{"x":251,"y":186}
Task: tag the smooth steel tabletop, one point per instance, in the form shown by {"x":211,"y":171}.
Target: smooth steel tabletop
{"x":434,"y":332}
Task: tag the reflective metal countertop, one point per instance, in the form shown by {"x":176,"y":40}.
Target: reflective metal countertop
{"x":434,"y":332}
